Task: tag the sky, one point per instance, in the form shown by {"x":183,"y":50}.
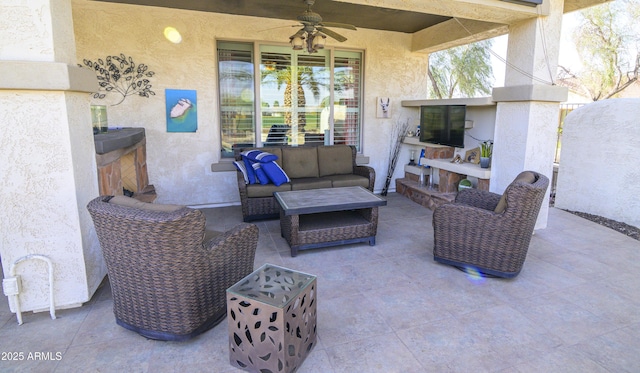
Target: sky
{"x":567,"y":56}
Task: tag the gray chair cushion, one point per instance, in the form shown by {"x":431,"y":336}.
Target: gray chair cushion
{"x":132,"y":202}
{"x":526,"y":177}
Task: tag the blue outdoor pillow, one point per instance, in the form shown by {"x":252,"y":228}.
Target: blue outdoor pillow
{"x":259,"y":156}
{"x":251,"y":174}
{"x":275,"y":173}
{"x":260,"y":174}
{"x":241,"y":167}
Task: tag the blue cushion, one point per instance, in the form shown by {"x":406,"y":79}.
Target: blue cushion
{"x":251,"y":174}
{"x":275,"y":173}
{"x":260,"y":174}
{"x":259,"y":156}
{"x":241,"y":167}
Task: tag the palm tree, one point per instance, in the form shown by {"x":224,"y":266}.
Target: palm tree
{"x":305,"y":77}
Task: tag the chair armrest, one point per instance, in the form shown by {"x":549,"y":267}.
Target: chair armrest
{"x":234,"y":250}
{"x":367,"y":172}
{"x":243,"y":236}
{"x":478,"y":198}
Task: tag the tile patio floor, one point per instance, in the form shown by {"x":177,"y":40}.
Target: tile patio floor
{"x":575,"y":307}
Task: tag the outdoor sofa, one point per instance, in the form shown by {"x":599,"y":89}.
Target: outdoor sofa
{"x":312,"y":167}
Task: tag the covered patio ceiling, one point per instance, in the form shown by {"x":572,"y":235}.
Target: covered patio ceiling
{"x":435,"y":25}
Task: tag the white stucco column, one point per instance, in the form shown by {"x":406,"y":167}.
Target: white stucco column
{"x":47,"y":168}
{"x":528,"y":104}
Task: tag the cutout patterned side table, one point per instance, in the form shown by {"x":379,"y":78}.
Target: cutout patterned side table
{"x":272,"y":319}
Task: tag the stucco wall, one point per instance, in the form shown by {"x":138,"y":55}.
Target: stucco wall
{"x":48,"y":171}
{"x":599,"y":172}
{"x":179,"y":164}
{"x":40,"y":179}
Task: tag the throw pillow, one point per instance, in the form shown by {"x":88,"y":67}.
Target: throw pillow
{"x":275,"y":173}
{"x":260,"y":174}
{"x":259,"y":156}
{"x":248,"y":165}
{"x":241,"y":167}
{"x":526,"y":177}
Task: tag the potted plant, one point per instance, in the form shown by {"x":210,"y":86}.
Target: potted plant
{"x":486,"y":149}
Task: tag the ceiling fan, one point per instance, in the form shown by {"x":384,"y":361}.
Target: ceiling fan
{"x":314,"y":31}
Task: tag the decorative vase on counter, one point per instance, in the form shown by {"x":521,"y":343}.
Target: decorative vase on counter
{"x":485,"y":162}
{"x":99,"y":118}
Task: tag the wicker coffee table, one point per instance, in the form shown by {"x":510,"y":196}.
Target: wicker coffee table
{"x":327,"y":217}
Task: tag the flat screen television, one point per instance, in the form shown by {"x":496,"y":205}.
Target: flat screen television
{"x":443,"y":124}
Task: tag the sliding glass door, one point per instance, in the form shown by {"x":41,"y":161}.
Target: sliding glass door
{"x":298,"y":99}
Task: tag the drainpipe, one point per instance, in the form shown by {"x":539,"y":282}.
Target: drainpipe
{"x":12,"y":285}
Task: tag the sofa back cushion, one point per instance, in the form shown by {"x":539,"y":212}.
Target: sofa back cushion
{"x":300,"y":162}
{"x":335,"y":160}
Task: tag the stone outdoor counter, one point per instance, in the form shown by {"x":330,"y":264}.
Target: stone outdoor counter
{"x":117,"y":139}
{"x":121,"y":157}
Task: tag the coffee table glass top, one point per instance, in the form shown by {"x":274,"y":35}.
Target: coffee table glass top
{"x":272,"y":285}
{"x":311,"y":201}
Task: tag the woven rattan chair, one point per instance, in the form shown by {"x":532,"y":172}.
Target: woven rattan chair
{"x":489,"y":233}
{"x":167,"y":281}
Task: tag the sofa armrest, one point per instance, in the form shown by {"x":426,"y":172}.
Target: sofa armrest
{"x":242,"y":189}
{"x":367,"y":172}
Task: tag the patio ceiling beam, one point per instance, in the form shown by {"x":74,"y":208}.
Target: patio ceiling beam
{"x":492,"y":11}
{"x":453,"y":33}
{"x":474,"y":20}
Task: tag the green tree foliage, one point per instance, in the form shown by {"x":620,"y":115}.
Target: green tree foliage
{"x":463,"y":71}
{"x":306,"y":77}
{"x":607,"y":41}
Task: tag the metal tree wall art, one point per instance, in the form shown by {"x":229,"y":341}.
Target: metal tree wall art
{"x":121,"y":75}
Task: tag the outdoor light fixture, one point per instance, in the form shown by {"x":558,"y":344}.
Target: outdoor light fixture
{"x":314,"y":31}
{"x":314,"y":41}
{"x":297,"y":40}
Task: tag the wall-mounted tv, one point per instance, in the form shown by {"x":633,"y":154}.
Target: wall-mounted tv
{"x":443,"y":124}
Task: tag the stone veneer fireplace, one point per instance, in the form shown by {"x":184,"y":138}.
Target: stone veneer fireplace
{"x":121,"y":157}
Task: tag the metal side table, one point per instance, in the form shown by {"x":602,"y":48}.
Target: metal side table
{"x":272,"y":319}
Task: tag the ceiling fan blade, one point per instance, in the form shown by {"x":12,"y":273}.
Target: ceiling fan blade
{"x":277,"y":27}
{"x":333,"y":34}
{"x":339,"y":25}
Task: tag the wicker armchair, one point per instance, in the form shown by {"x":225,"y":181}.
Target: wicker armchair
{"x":488,"y":232}
{"x":167,"y":282}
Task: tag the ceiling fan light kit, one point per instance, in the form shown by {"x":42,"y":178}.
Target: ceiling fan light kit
{"x":314,"y":32}
{"x":314,"y":42}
